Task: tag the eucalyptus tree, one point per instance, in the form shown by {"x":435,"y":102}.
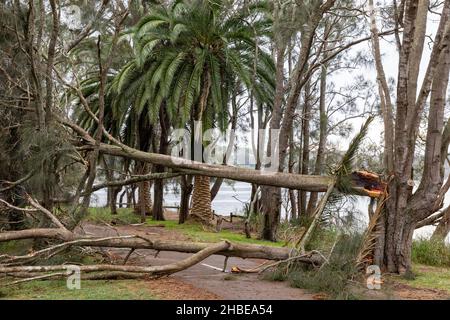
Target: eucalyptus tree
{"x":408,"y":207}
{"x":305,"y":21}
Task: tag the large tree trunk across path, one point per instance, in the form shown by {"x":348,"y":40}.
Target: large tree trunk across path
{"x":138,"y":241}
{"x":277,"y":179}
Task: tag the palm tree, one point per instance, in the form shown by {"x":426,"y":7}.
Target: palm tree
{"x":191,"y":55}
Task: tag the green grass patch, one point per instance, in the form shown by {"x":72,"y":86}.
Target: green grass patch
{"x":431,"y":252}
{"x":194,"y":231}
{"x":124,"y":215}
{"x":429,"y":278}
{"x":198,"y":233}
{"x":15,"y":247}
{"x":90,"y":290}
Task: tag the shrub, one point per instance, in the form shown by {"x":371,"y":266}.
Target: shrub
{"x":333,"y":277}
{"x":431,"y":252}
{"x":123,"y":216}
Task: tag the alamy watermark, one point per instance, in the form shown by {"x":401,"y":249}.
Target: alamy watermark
{"x":73,"y":281}
{"x":373,"y":281}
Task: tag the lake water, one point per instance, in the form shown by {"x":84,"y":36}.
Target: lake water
{"x":232,"y":196}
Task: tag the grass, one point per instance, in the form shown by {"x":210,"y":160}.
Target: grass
{"x":194,"y":231}
{"x":124,"y":215}
{"x":90,"y":290}
{"x":197,"y":233}
{"x":15,"y":247}
{"x":429,"y":278}
{"x":431,"y":252}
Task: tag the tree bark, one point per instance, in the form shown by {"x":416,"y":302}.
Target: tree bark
{"x":443,"y":228}
{"x":153,"y":270}
{"x":186,"y":190}
{"x":304,"y":156}
{"x":405,"y":209}
{"x":201,"y":200}
{"x":158,"y":210}
{"x":323,"y":127}
{"x":138,"y":242}
{"x":201,"y":197}
{"x":277,"y":179}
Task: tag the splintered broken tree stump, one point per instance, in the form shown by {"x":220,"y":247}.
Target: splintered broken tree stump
{"x":367,"y":183}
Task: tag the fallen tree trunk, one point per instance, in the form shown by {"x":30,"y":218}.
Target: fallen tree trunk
{"x":38,"y":233}
{"x":151,"y":270}
{"x":364,"y":183}
{"x":277,"y":179}
{"x":109,"y":271}
{"x":139,"y":242}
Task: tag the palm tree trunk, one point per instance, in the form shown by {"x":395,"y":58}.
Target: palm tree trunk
{"x":201,"y":200}
{"x":201,"y":197}
{"x":144,"y":200}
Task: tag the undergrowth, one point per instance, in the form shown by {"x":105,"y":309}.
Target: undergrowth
{"x":431,"y":252}
{"x":332,"y":278}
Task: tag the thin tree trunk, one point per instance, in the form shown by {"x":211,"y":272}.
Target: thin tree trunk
{"x":113,"y":200}
{"x":158,"y":210}
{"x":443,"y":228}
{"x":323,"y":127}
{"x":306,"y":114}
{"x":270,"y":196}
{"x":292,"y":199}
{"x":186,"y":190}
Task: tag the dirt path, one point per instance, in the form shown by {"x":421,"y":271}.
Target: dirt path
{"x":202,"y":281}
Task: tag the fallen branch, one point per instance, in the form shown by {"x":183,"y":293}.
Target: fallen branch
{"x":50,"y":215}
{"x":49,"y":250}
{"x":316,"y":216}
{"x":147,"y":177}
{"x":138,"y":242}
{"x":150,"y":271}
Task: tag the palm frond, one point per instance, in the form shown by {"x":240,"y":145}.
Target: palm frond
{"x":343,"y":182}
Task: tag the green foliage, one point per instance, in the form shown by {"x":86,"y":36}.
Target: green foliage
{"x":323,"y":239}
{"x":431,"y":252}
{"x":178,"y":49}
{"x":15,"y":247}
{"x":333,"y":277}
{"x":123,"y":216}
{"x":196,"y":232}
{"x":429,"y":278}
{"x":345,"y":167}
